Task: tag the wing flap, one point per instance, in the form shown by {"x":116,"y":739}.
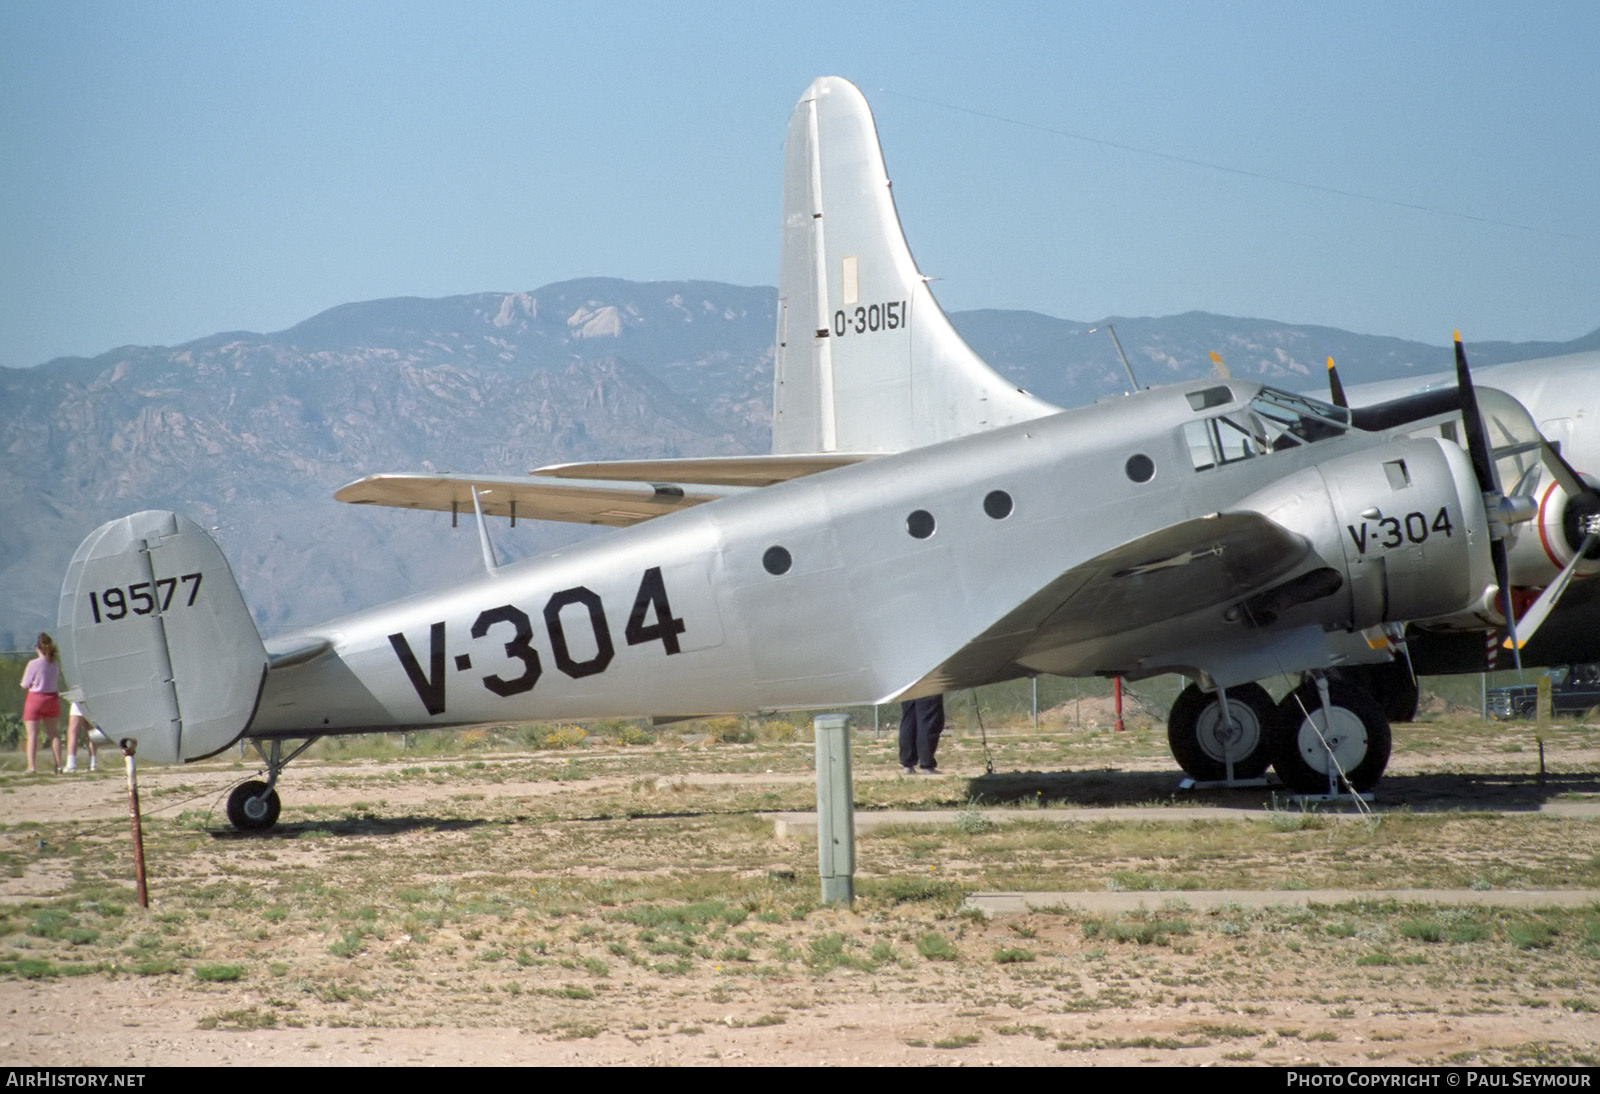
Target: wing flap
{"x":617,"y":504}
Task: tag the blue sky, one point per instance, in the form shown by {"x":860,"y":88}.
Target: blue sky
{"x":175,"y":169}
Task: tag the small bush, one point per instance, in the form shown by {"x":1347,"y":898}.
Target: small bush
{"x":1533,"y":935}
{"x":563,"y":737}
{"x":729,"y":731}
{"x":218,"y":974}
{"x":1422,"y":930}
{"x":973,"y":822}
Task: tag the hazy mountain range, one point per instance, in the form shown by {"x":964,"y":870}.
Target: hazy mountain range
{"x":250,"y":434}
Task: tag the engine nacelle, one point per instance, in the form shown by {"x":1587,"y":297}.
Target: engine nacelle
{"x":1403,"y":523}
{"x":1541,"y":548}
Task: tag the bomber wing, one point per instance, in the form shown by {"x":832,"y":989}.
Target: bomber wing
{"x":531,"y":497}
{"x":711,"y":470}
{"x":1161,"y":577}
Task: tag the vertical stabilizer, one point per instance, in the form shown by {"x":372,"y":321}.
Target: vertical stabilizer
{"x":867,"y":361}
{"x":156,"y":636}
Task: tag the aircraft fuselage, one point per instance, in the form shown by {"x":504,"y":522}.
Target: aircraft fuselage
{"x":842,"y":587}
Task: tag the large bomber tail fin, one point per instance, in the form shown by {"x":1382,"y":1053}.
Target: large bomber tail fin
{"x":156,"y":636}
{"x":867,"y":361}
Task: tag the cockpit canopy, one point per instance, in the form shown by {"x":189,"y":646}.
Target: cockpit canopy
{"x":1271,"y":422}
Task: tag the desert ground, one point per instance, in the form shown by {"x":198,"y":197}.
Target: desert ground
{"x":572,"y":896}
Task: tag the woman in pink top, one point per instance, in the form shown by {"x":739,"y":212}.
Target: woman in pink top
{"x":42,"y":681}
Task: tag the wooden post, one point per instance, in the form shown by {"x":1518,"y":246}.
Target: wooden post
{"x":128,"y":747}
{"x":1116,"y":683}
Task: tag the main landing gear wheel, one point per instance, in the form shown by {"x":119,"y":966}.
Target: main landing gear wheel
{"x":1201,"y":741}
{"x":253,"y":806}
{"x":1391,"y":686}
{"x":1357,"y":733}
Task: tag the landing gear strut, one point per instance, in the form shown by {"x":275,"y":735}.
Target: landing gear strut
{"x":254,"y":806}
{"x":1329,"y":737}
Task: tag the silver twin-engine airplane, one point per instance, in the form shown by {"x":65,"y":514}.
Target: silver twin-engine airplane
{"x":921,"y":525}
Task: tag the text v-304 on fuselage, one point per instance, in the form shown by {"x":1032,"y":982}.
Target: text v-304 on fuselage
{"x":920,"y":525}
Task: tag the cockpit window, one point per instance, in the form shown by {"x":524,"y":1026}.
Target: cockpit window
{"x":1227,"y":438}
{"x":1298,"y":416}
{"x":1210,"y":397}
{"x":1274,"y":421}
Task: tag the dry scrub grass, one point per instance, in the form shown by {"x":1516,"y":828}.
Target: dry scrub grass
{"x":611,"y":902}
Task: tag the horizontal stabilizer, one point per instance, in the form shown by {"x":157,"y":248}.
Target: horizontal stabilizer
{"x":711,"y":470}
{"x":156,"y":636}
{"x":617,"y":504}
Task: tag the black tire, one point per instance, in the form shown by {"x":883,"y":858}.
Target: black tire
{"x":249,"y":811}
{"x":1391,"y":686}
{"x":1360,"y":739}
{"x":1194,"y":732}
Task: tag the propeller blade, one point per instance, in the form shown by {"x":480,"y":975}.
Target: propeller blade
{"x":1221,"y":369}
{"x":1573,"y":486}
{"x":1489,"y":483}
{"x":1335,"y":388}
{"x":1477,"y":448}
{"x":1537,"y":612}
{"x":1502,"y":574}
{"x":1524,"y":485}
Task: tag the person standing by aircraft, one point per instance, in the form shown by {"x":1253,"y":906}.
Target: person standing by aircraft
{"x":921,"y":725}
{"x":42,"y":681}
{"x":78,"y":722}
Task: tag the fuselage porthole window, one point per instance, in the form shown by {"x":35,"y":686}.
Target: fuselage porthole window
{"x":1140,"y":468}
{"x":777,"y":561}
{"x":997,"y":504}
{"x":920,"y":524}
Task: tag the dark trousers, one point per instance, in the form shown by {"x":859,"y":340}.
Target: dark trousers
{"x":921,"y":723}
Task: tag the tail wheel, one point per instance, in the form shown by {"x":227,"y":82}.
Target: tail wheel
{"x":253,"y":806}
{"x":1353,"y":729}
{"x":1201,"y":741}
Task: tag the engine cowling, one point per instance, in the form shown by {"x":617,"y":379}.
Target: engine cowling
{"x":1403,"y":522}
{"x":1541,"y":548}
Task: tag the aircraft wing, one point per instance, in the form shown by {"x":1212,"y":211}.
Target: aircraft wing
{"x":1210,"y":561}
{"x":530,"y":497}
{"x":711,"y":470}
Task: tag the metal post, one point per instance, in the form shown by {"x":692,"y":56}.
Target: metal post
{"x":1126,"y":367}
{"x":133,"y":815}
{"x":1034,"y":680}
{"x":836,"y":818}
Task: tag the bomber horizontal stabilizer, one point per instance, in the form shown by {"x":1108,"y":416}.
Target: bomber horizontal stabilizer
{"x":711,"y":470}
{"x":617,"y":504}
